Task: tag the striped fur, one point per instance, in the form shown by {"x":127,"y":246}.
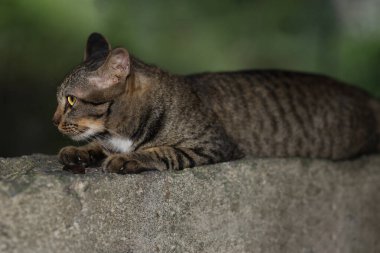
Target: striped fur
{"x":163,"y":121}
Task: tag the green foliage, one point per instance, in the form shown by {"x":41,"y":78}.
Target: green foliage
{"x":42,"y":39}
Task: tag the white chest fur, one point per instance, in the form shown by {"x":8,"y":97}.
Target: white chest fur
{"x":120,"y":144}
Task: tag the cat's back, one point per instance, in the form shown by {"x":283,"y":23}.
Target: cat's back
{"x":284,"y":113}
{"x":247,"y":81}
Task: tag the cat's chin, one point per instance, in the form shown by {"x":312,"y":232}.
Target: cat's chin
{"x":88,"y":134}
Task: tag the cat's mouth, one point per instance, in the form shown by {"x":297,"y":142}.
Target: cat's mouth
{"x":83,"y":134}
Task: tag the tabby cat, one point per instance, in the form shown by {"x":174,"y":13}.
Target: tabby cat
{"x":137,"y":117}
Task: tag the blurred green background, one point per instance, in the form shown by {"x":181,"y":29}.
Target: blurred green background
{"x":41,"y":40}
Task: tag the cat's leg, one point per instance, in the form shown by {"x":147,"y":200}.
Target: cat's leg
{"x":87,"y":155}
{"x":162,"y":158}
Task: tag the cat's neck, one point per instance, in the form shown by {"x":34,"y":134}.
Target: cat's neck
{"x":143,"y":76}
{"x":140,"y":68}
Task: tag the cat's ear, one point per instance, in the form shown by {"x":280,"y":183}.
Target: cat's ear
{"x":114,"y":70}
{"x":97,"y":45}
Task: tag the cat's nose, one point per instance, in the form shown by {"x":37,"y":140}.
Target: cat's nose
{"x":57,"y":116}
{"x":56,"y":119}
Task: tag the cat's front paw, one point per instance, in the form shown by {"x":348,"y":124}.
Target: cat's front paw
{"x":122,"y":164}
{"x":74,"y":156}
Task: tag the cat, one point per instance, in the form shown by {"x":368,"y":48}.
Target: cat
{"x":138,"y":117}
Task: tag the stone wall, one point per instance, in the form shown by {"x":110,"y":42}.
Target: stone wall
{"x":251,"y":205}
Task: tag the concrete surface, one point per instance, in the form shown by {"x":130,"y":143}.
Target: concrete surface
{"x":251,"y":205}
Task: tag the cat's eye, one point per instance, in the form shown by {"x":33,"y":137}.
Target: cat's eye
{"x":71,"y":100}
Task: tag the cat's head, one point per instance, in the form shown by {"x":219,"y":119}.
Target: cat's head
{"x":87,"y":92}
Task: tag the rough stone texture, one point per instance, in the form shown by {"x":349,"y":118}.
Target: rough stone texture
{"x":251,"y":205}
